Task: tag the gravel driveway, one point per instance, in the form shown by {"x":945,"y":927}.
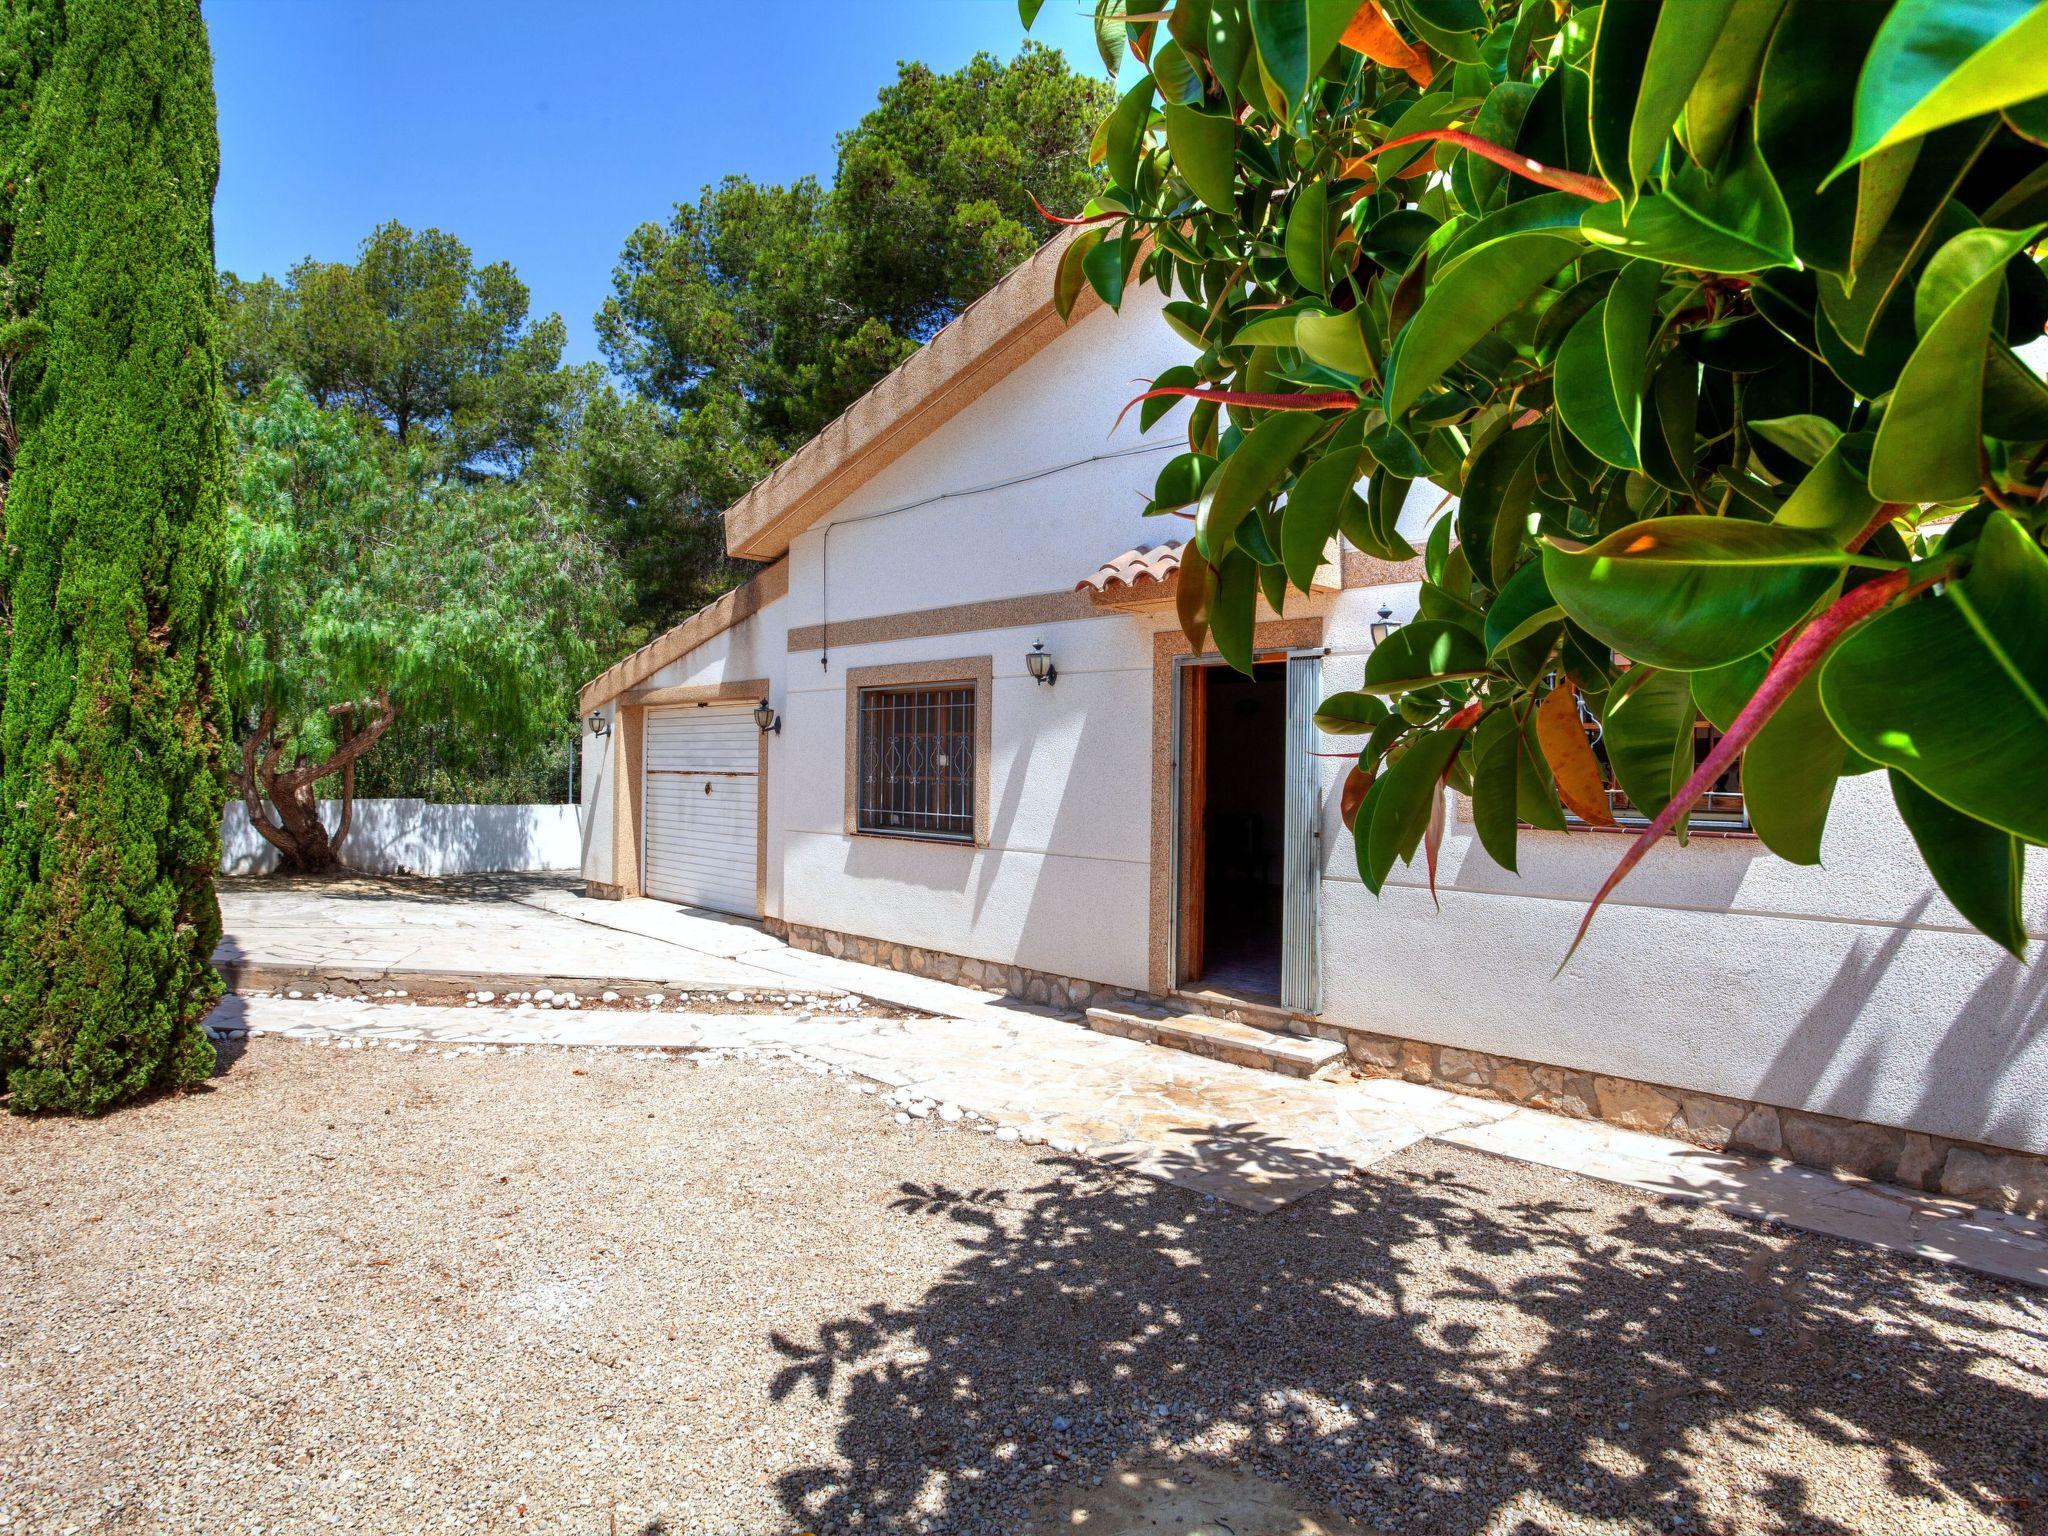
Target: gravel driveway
{"x":572,"y":1291}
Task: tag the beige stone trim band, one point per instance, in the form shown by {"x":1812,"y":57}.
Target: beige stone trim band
{"x":977,"y":670}
{"x":1358,"y":569}
{"x":698,"y":693}
{"x":1004,"y":328}
{"x":714,"y":619}
{"x":955,"y":619}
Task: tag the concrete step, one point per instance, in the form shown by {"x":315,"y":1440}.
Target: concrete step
{"x":1242,"y":1045}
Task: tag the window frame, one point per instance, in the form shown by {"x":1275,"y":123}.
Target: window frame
{"x":967,"y":672}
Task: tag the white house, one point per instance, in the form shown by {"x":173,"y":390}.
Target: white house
{"x":1142,"y":823}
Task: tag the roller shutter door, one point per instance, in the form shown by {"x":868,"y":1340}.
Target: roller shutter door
{"x":701,"y":772}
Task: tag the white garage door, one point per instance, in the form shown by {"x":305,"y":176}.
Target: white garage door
{"x":702,"y":775}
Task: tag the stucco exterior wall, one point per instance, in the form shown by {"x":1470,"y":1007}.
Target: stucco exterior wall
{"x":1852,"y":989}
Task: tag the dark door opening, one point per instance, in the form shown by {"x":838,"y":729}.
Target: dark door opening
{"x":1238,"y":822}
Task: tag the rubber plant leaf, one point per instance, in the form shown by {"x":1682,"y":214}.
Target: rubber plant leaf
{"x":1621,"y":52}
{"x":1371,"y":34}
{"x":1193,"y":586}
{"x":1465,"y":302}
{"x":1646,"y":725}
{"x":1423,"y":654}
{"x":1573,"y":767}
{"x":1952,"y":690}
{"x":1494,"y":792}
{"x":1255,"y":469}
{"x":1400,"y":801}
{"x":1930,"y":443}
{"x":1789,"y":773}
{"x":1295,"y":38}
{"x":1350,"y":714}
{"x":1072,"y":276}
{"x":1730,"y":220}
{"x":1233,"y":609}
{"x":1315,"y":509}
{"x":1689,"y":592}
{"x":1601,"y":367}
{"x":1937,"y":62}
{"x":1204,"y":149}
{"x":1981,"y":869}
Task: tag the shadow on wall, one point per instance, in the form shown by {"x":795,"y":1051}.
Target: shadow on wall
{"x":411,"y":837}
{"x":1453,"y":1344}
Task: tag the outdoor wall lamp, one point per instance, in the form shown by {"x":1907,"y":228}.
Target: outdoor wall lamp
{"x":599,"y":725}
{"x":766,"y":718}
{"x":1038,"y":661}
{"x":1384,"y":625}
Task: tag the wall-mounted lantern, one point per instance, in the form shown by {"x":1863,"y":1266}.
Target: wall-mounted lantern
{"x":1038,"y":661}
{"x":766,"y":718}
{"x":1384,"y":625}
{"x":599,"y":723}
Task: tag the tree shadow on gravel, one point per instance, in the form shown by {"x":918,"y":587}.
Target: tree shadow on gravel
{"x":1448,"y":1344}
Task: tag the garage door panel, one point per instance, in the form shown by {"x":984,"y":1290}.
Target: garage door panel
{"x":700,"y":847}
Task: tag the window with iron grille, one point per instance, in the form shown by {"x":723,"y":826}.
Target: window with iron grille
{"x":917,"y":762}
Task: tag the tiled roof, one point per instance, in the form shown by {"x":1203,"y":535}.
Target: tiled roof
{"x":1136,"y":573}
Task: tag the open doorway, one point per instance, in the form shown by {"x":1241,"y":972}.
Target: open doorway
{"x":1234,"y":830}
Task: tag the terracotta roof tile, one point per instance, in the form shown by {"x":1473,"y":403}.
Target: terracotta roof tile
{"x":1147,"y":571}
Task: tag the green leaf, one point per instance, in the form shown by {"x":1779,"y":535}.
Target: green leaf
{"x":1123,"y":135}
{"x":1307,"y":241}
{"x":1647,"y":726}
{"x":1423,"y":654}
{"x":1937,"y":62}
{"x":1400,"y":801}
{"x":1930,"y":440}
{"x":1336,"y":341}
{"x":1027,"y":11}
{"x":1489,"y":519}
{"x":1979,"y":868}
{"x":1295,"y":38}
{"x":1350,"y":714}
{"x":1953,"y":690}
{"x":1732,"y":221}
{"x":1789,"y":773}
{"x":1251,"y":473}
{"x":1803,"y":106}
{"x":1721,"y":692}
{"x":1179,"y":375}
{"x":1233,"y":609}
{"x":1109,"y":34}
{"x":1535,"y":789}
{"x":1072,"y":275}
{"x":1204,"y":149}
{"x":1104,"y":266}
{"x":1687,"y":37}
{"x":1600,"y":367}
{"x":1467,"y":300}
{"x":1315,"y":508}
{"x":1177,"y":77}
{"x":1181,"y":481}
{"x":1523,"y":607}
{"x":1268,"y":331}
{"x":1727,"y":84}
{"x":1621,"y":50}
{"x":1495,"y":748}
{"x":1690,"y":592}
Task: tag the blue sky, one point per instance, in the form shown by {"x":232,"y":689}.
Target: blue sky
{"x":541,"y":132}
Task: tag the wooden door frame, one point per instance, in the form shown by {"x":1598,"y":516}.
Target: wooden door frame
{"x":1271,"y":640}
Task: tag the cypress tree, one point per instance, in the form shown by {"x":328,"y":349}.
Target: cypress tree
{"x":110,"y":800}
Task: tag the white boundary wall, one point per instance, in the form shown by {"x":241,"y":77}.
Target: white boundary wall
{"x":411,"y":837}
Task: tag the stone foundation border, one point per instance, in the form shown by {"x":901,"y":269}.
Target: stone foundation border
{"x":1982,"y":1175}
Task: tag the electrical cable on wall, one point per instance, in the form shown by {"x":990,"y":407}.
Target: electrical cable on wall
{"x":825,"y":555}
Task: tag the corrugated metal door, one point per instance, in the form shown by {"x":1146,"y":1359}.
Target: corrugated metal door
{"x":702,"y":789}
{"x":1301,"y":952}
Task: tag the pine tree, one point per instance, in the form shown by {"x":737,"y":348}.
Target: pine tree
{"x":111,"y":796}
